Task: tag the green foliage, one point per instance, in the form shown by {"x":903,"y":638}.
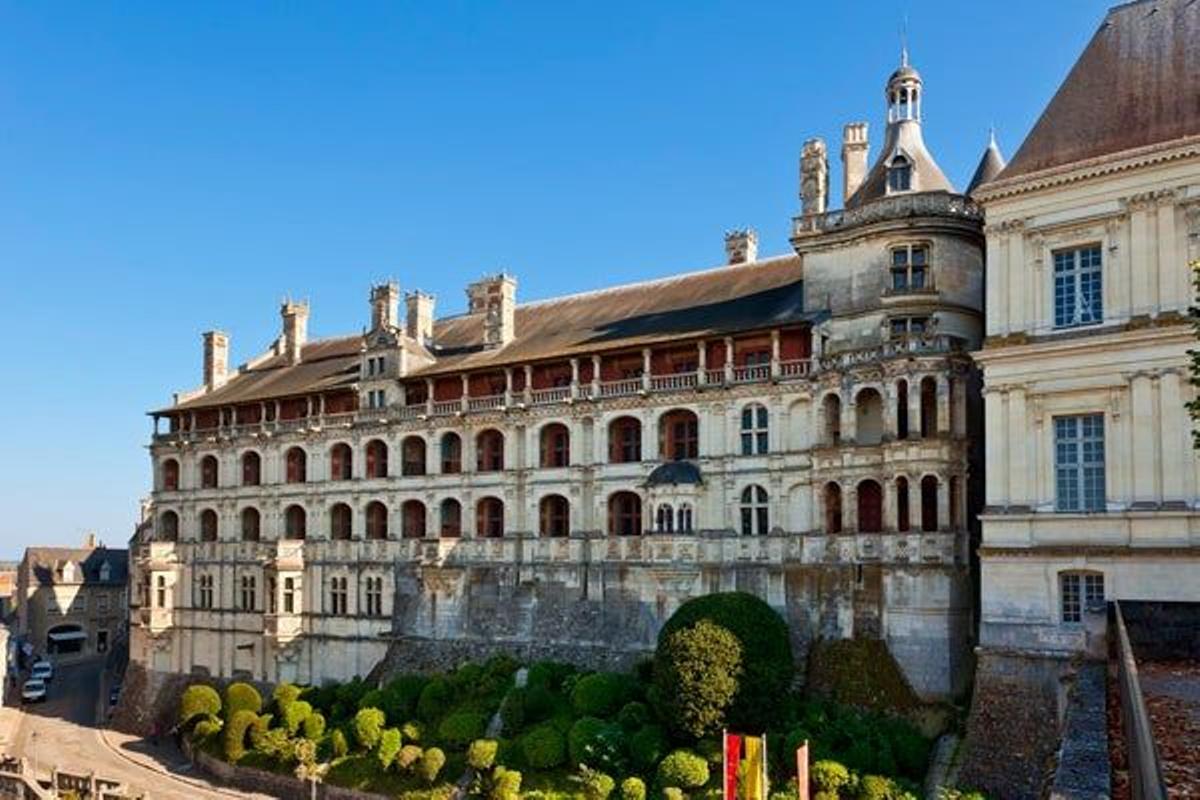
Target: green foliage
{"x":198,"y":700}
{"x":829,"y":776}
{"x":597,"y":744}
{"x":647,"y":747}
{"x":506,"y":784}
{"x":544,"y":747}
{"x":859,"y":672}
{"x":684,"y":769}
{"x":338,"y":743}
{"x":409,"y":755}
{"x":236,"y":729}
{"x":548,"y":674}
{"x":434,"y":700}
{"x":389,"y":747}
{"x":877,"y":787}
{"x":673,"y":793}
{"x":241,"y":696}
{"x":595,"y":784}
{"x":461,"y":727}
{"x":633,"y":716}
{"x":322,"y":698}
{"x":314,"y":726}
{"x":599,"y":694}
{"x":481,"y":754}
{"x":275,"y":744}
{"x":372,"y":699}
{"x":633,"y":788}
{"x":284,"y":695}
{"x":431,"y":763}
{"x":696,"y":678}
{"x":294,"y":715}
{"x":502,"y":666}
{"x":206,"y":728}
{"x":512,"y":711}
{"x":258,"y":731}
{"x":540,"y":702}
{"x":400,"y":696}
{"x":368,"y":726}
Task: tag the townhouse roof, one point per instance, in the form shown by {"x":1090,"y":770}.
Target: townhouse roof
{"x":47,"y":565}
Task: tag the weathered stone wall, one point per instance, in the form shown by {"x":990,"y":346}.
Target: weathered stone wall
{"x":1161,"y":630}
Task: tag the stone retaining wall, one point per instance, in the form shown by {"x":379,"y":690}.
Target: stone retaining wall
{"x":249,"y":779}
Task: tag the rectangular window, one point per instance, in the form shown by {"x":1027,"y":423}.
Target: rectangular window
{"x":289,"y":596}
{"x":1079,"y":462}
{"x":909,"y":263}
{"x":1080,"y":591}
{"x":1078,"y":290}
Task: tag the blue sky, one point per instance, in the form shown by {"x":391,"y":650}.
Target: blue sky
{"x":166,"y":168}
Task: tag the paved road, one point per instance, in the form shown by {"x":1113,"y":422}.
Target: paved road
{"x":62,"y":731}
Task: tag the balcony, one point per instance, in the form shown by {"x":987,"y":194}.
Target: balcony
{"x":924,"y":204}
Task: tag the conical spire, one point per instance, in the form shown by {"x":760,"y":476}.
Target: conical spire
{"x":990,"y":164}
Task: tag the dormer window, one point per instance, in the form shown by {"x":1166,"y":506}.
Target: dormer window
{"x":105,"y":573}
{"x":900,"y":174}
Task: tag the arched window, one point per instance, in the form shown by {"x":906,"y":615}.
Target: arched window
{"x":296,"y":462}
{"x":625,"y":440}
{"x":869,"y":417}
{"x":208,"y":525}
{"x":754,"y":511}
{"x":902,"y":512}
{"x":754,"y":430}
{"x":929,"y":502}
{"x":489,"y":518}
{"x":624,"y":514}
{"x":170,"y":475}
{"x":831,"y":408}
{"x":412,"y":456}
{"x":208,"y":472}
{"x":412,"y":515}
{"x":489,"y":456}
{"x":928,"y":407}
{"x":833,"y":508}
{"x":377,"y":459}
{"x":555,"y":445}
{"x":451,"y":518}
{"x":251,"y":525}
{"x":664,"y":518}
{"x":678,"y":435}
{"x":554,"y":515}
{"x":870,"y":507}
{"x":295,"y":523}
{"x":451,"y":454}
{"x":341,"y":462}
{"x":684,"y":521}
{"x":168,"y":527}
{"x":902,"y":409}
{"x":900,"y":175}
{"x":251,"y":468}
{"x":377,"y":520}
{"x":341,"y":522}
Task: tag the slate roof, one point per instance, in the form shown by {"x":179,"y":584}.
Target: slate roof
{"x":46,"y":564}
{"x":1136,"y":84}
{"x":991,"y":164}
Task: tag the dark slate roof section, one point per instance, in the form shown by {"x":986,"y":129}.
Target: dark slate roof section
{"x":674,"y":473}
{"x":46,"y":564}
{"x":990,"y":165}
{"x":1137,"y":84}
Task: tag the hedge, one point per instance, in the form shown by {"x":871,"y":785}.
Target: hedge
{"x":462,"y":727}
{"x":434,"y":700}
{"x":544,"y":748}
{"x":241,"y":696}
{"x":829,"y":776}
{"x":600,"y":694}
{"x":236,"y":728}
{"x":647,"y":747}
{"x":597,"y":744}
{"x":198,"y":700}
{"x":698,"y":671}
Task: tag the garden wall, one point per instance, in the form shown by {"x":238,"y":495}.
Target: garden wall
{"x":248,"y":779}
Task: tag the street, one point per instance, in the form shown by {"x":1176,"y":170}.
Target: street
{"x":62,"y":732}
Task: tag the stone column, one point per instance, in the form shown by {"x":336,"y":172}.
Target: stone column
{"x":959,"y":412}
{"x":647,"y":364}
{"x":574,"y":378}
{"x":429,"y":396}
{"x":1176,"y":448}
{"x":849,"y":508}
{"x":849,"y":418}
{"x":728,"y":359}
{"x":774,"y":352}
{"x":914,"y":407}
{"x":508,"y":386}
{"x":1019,"y":493}
{"x":701,"y":370}
{"x":914,"y":502}
{"x":649,"y":437}
{"x":595,"y":376}
{"x":890,"y":517}
{"x":527,"y":390}
{"x":466,"y":392}
{"x":943,"y":405}
{"x":891,"y":429}
{"x":943,"y":503}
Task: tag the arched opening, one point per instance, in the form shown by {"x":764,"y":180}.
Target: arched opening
{"x":902,"y":409}
{"x":489,"y":518}
{"x":754,"y":430}
{"x":754,"y":511}
{"x":296,"y":465}
{"x":451,"y":447}
{"x":341,"y":462}
{"x":412,"y":456}
{"x":251,"y":468}
{"x":168,"y":527}
{"x":929,"y":502}
{"x":955,"y":503}
{"x":68,"y":638}
{"x":869,"y":417}
{"x":664,"y":518}
{"x":451,"y":518}
{"x":831,"y":411}
{"x":295,"y":523}
{"x":554,"y":515}
{"x":412,"y":514}
{"x":341,"y":522}
{"x":928,"y":407}
{"x":251,"y":525}
{"x":377,"y":459}
{"x":489,"y":455}
{"x":684,"y":519}
{"x":208,"y":472}
{"x":170,"y":475}
{"x":625,"y":440}
{"x":554,"y":446}
{"x":624,"y":514}
{"x":833,"y":508}
{"x":870,"y":507}
{"x":902,"y":510}
{"x":377,"y":520}
{"x":678,"y":435}
{"x":208,"y":525}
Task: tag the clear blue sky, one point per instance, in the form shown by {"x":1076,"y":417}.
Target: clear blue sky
{"x":167,"y":168}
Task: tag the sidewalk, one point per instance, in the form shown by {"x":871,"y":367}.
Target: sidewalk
{"x":10,"y":722}
{"x":165,"y":760}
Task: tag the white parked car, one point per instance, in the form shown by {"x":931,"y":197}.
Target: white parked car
{"x":42,"y":670}
{"x":33,"y":691}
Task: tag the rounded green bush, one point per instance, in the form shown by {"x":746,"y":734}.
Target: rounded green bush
{"x":285,"y":694}
{"x":673,"y":793}
{"x":597,"y":744}
{"x":400,"y":697}
{"x":539,"y":704}
{"x":198,"y":700}
{"x":314,"y":726}
{"x":241,"y":696}
{"x":372,"y":699}
{"x":684,"y":769}
{"x":697,"y":673}
{"x":647,"y":747}
{"x":633,"y":716}
{"x":431,"y":763}
{"x":368,"y":727}
{"x":502,"y":666}
{"x":765,"y":644}
{"x":409,"y":755}
{"x":206,"y":728}
{"x":461,"y":727}
{"x":338,"y":743}
{"x":236,"y":729}
{"x":596,"y":785}
{"x":434,"y":700}
{"x":389,"y":747}
{"x":633,"y":788}
{"x":599,"y":694}
{"x":911,"y":751}
{"x":467,"y":677}
{"x":548,"y":674}
{"x":876,"y":787}
{"x":829,"y":776}
{"x":544,"y":747}
{"x":412,"y":731}
{"x":506,"y":784}
{"x":294,"y":715}
{"x":481,"y":754}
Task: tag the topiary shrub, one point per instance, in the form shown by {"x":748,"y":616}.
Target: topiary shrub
{"x":633,"y":716}
{"x":206,"y":728}
{"x":338,"y":743}
{"x":540,"y":702}
{"x":600,"y":694}
{"x":294,"y":715}
{"x":684,"y":769}
{"x":595,"y":784}
{"x":431,"y":763}
{"x":598,"y":744}
{"x":829,"y":776}
{"x":762,"y":633}
{"x":502,"y":666}
{"x":400,"y":697}
{"x":647,"y":747}
{"x":548,"y":674}
{"x":544,"y":747}
{"x":368,"y":726}
{"x":285,"y":694}
{"x":696,"y":678}
{"x":258,"y":731}
{"x":389,"y":747}
{"x":481,"y":754}
{"x":372,"y":699}
{"x":241,"y":696}
{"x":633,"y":788}
{"x":506,"y":784}
{"x":434,"y":700}
{"x":673,"y":793}
{"x":461,"y":727}
{"x":876,"y":787}
{"x":198,"y":700}
{"x":275,"y":744}
{"x":512,"y":711}
{"x":236,"y":729}
{"x":314,"y":726}
{"x":408,"y":756}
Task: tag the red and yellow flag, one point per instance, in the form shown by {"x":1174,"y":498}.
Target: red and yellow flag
{"x":756,"y":768}
{"x":733,"y":754}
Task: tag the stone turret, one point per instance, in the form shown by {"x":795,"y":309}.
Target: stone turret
{"x":419,"y":323}
{"x":295,"y":330}
{"x":385,"y":303}
{"x":814,"y":177}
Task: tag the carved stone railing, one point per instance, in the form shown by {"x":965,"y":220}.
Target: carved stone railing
{"x":672,"y":383}
{"x":556,"y":394}
{"x":622,"y":388}
{"x":921,"y":204}
{"x":931,"y":344}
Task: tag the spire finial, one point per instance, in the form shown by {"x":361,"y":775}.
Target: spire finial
{"x":992,"y":135}
{"x":904,"y":42}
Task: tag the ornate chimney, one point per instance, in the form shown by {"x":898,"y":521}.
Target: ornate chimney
{"x":385,"y":304}
{"x":295,"y":329}
{"x":741,"y":245}
{"x":419,"y":324}
{"x":814,"y":177}
{"x":216,"y":359}
{"x":495,"y":297}
{"x":854,"y":158}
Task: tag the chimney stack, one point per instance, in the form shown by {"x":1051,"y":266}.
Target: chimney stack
{"x":496,"y":298}
{"x":419,"y":324}
{"x":741,"y":245}
{"x":385,"y":306}
{"x":854,"y":158}
{"x":295,"y":329}
{"x":216,"y":360}
{"x":814,"y":178}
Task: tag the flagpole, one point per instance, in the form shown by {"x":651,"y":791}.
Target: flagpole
{"x":725,"y":764}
